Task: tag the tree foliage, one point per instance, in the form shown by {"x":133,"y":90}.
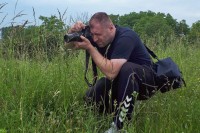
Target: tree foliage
{"x":194,"y":35}
{"x":154,"y":25}
{"x":134,"y":19}
{"x":48,"y":36}
{"x":45,"y":38}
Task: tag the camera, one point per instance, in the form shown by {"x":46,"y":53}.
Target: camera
{"x":76,"y":35}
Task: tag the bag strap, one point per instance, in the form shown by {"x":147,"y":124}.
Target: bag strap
{"x":151,"y":52}
{"x":183,"y":82}
{"x":94,"y":69}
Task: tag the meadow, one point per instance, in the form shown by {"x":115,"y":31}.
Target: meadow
{"x":47,"y":96}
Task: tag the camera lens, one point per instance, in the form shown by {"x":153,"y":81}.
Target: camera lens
{"x":66,"y":38}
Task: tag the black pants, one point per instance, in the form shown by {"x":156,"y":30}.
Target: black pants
{"x":133,"y":82}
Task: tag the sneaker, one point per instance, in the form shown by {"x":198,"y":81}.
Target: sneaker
{"x":112,"y":129}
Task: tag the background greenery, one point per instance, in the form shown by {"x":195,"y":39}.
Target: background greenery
{"x":42,"y":83}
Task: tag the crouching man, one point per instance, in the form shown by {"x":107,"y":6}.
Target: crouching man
{"x":121,"y":56}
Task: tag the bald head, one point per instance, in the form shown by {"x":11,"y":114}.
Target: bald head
{"x":102,"y":18}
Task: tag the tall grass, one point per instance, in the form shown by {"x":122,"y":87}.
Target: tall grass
{"x":43,"y":96}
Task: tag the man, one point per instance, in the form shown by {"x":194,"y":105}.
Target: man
{"x":125,"y":62}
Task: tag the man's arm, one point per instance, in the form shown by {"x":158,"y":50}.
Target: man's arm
{"x":108,"y":67}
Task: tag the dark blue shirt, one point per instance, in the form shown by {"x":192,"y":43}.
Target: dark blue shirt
{"x":127,"y":45}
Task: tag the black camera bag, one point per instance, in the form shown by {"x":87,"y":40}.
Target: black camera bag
{"x":167,"y":73}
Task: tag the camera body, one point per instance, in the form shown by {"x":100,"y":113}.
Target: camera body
{"x":76,"y":35}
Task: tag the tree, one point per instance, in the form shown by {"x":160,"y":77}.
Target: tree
{"x":52,"y":29}
{"x":171,"y":22}
{"x":114,"y":18}
{"x":182,"y":28}
{"x":194,"y":35}
{"x":151,"y":26}
{"x":129,"y":20}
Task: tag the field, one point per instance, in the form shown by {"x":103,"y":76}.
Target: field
{"x":47,"y":96}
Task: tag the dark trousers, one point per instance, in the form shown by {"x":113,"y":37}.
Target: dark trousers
{"x":134,"y":82}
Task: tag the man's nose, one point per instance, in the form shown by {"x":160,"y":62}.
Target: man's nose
{"x":95,"y":38}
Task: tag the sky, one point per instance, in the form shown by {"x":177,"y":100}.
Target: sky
{"x":188,"y":10}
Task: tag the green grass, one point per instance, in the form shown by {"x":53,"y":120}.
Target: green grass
{"x":42,"y":96}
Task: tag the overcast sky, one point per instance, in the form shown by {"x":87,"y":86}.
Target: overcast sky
{"x":188,"y":10}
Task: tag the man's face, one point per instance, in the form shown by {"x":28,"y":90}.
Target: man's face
{"x":101,"y":34}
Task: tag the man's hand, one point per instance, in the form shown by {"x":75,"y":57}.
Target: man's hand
{"x":84,"y":44}
{"x":78,"y":26}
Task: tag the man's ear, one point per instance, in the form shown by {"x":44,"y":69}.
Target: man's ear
{"x":111,"y":26}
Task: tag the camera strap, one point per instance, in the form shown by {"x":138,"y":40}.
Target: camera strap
{"x":94,"y":69}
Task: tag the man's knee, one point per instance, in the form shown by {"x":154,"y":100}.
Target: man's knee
{"x":98,"y":94}
{"x":127,"y":69}
{"x":95,"y":92}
